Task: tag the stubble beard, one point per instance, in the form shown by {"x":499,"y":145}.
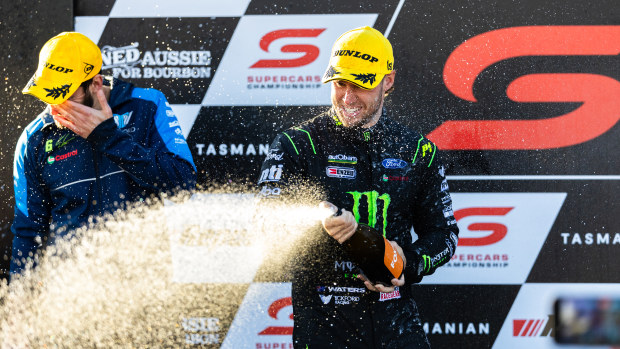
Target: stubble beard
{"x":365,"y":119}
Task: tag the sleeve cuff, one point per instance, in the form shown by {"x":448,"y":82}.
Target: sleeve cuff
{"x":413,"y":269}
{"x":102,"y":133}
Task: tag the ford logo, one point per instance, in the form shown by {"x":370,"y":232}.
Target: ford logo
{"x":393,"y":163}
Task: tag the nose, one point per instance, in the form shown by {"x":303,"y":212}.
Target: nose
{"x":349,"y":95}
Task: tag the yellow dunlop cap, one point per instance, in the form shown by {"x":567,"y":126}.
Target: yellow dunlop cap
{"x":65,"y":61}
{"x":361,"y":56}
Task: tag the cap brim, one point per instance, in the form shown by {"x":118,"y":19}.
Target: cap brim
{"x":365,"y":81}
{"x":50,"y":92}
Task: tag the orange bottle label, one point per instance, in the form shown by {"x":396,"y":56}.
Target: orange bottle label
{"x":392,"y":259}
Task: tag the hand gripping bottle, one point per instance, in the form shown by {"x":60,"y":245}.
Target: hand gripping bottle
{"x":374,"y":254}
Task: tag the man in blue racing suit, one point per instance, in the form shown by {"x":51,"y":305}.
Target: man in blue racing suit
{"x":379,"y":173}
{"x":98,"y":145}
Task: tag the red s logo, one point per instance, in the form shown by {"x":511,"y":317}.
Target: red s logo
{"x":311,"y":51}
{"x":273,"y":310}
{"x":498,"y":230}
{"x":599,"y":112}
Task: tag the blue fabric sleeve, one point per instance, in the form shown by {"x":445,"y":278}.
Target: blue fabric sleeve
{"x":165,"y":163}
{"x":32,"y":215}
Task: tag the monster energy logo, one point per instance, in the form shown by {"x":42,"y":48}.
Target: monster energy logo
{"x":372,"y":197}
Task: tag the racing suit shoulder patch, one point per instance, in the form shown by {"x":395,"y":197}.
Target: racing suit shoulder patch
{"x":425,"y":151}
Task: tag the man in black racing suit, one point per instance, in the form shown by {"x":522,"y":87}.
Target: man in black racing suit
{"x":381,"y":174}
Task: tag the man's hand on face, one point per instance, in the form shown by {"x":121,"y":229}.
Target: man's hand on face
{"x":81,"y":119}
{"x":395,"y":282}
{"x":340,"y":227}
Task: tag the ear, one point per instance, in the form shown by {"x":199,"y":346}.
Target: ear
{"x":388,"y":80}
{"x":97,"y":84}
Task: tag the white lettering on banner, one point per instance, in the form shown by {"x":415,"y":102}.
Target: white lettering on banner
{"x":201,"y":324}
{"x":199,"y":338}
{"x":231,"y":149}
{"x":125,"y":62}
{"x":277,"y":345}
{"x":500,"y":237}
{"x":201,"y":330}
{"x":590,"y":238}
{"x":457,"y":328}
{"x":279,"y":59}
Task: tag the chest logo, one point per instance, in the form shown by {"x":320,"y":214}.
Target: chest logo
{"x":123,"y":119}
{"x":342,"y":159}
{"x":340,"y":172}
{"x":393,"y":163}
{"x":51,"y":159}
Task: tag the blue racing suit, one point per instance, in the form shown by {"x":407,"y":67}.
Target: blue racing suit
{"x":62,"y":179}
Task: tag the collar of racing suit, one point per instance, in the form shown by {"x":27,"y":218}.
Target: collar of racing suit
{"x":359,"y":134}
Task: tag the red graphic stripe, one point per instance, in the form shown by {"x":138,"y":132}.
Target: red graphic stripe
{"x":599,"y":112}
{"x":527,"y":327}
{"x":537,"y":329}
{"x":517,"y":325}
{"x":275,"y":307}
{"x":277,"y":331}
{"x":532,"y":332}
{"x":478,"y":53}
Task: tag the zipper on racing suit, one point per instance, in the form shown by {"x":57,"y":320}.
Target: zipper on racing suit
{"x":98,"y":188}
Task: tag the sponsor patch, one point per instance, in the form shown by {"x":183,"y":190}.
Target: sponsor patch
{"x":339,"y":289}
{"x":340,"y":172}
{"x":272,"y":174}
{"x":325,"y":298}
{"x":393,"y":163}
{"x":342,"y":159}
{"x":122,"y":120}
{"x":386,"y":296}
{"x":274,"y":156}
{"x":387,"y":178}
{"x":51,"y":159}
{"x":344,"y":300}
{"x":270,"y":192}
{"x":344,"y":265}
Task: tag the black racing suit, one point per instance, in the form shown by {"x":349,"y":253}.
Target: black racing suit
{"x":391,"y":178}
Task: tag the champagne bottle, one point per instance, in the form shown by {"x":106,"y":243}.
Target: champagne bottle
{"x":374,"y":254}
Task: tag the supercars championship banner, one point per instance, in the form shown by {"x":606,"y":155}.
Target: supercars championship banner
{"x":523,"y":99}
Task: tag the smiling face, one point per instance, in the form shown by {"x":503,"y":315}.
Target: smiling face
{"x":358,"y":107}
